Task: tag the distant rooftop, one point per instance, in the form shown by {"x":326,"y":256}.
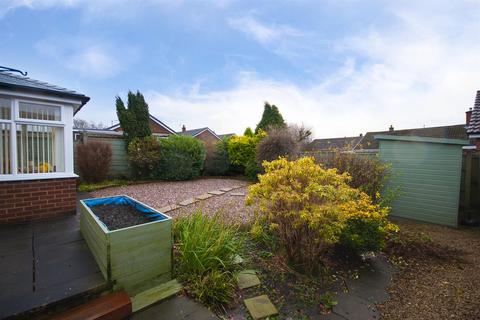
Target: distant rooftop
{"x":15,"y":82}
{"x":474,"y":126}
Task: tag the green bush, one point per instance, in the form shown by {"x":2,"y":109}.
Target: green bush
{"x":363,"y":235}
{"x":144,"y":156}
{"x":217,"y":162}
{"x":205,"y":254}
{"x":181,"y":158}
{"x":242,"y":152}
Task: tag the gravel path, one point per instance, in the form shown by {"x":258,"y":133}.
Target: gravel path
{"x":161,"y":194}
{"x":439,"y":282}
{"x":230,"y":205}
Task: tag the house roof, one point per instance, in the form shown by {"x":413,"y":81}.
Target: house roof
{"x":334,"y":143}
{"x":15,"y":82}
{"x":448,"y":132}
{"x":160,"y":123}
{"x":474,"y":126}
{"x":226,"y":135}
{"x":196,"y":132}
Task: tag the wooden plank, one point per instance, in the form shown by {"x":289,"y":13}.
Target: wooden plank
{"x":96,"y":240}
{"x":113,"y":306}
{"x":155,"y":294}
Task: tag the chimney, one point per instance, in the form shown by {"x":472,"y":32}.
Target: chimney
{"x":468,"y":115}
{"x":390,"y":129}
{"x":184,"y":128}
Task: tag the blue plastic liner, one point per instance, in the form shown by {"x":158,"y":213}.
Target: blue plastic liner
{"x":121,"y":200}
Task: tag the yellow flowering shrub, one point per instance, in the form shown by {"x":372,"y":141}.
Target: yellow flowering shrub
{"x":309,"y":207}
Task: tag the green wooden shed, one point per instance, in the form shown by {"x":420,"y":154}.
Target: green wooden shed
{"x":426,"y":173}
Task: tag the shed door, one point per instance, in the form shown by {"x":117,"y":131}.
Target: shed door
{"x":427,"y":179}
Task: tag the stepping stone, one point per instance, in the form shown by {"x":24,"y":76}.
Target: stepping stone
{"x":247,"y":279}
{"x":237,"y":259}
{"x":260,"y":307}
{"x":204,"y":196}
{"x":236,"y":186}
{"x":238,"y":194}
{"x":216,"y":192}
{"x":187,"y":202}
{"x":353,"y":307}
{"x":155,"y":294}
{"x":226,"y":189}
{"x":168,"y":208}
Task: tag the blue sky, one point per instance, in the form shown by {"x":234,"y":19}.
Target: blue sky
{"x":340,"y":67}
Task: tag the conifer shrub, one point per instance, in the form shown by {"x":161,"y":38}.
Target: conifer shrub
{"x":93,"y":161}
{"x":310,"y":207}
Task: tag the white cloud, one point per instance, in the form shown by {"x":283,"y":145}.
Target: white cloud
{"x":263,"y":33}
{"x":88,"y":57}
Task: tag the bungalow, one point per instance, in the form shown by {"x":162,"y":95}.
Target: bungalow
{"x":37,"y":178}
{"x":158,"y":127}
{"x":368,"y":144}
{"x":205,"y":134}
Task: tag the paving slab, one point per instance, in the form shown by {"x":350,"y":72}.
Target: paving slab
{"x":238,"y":259}
{"x":237,"y":186}
{"x":352,"y":307}
{"x":204,"y":196}
{"x":238,"y":194}
{"x":175,"y":308}
{"x":216,"y":192}
{"x":188,"y":202}
{"x":226,"y":189}
{"x":247,"y":279}
{"x":168,"y":208}
{"x":260,"y":307}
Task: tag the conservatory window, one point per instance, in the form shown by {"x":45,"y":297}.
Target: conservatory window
{"x":32,"y":138}
{"x":39,"y":149}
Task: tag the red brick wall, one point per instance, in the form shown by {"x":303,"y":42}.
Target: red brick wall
{"x":36,"y":199}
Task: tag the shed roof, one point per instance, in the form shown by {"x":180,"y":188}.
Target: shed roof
{"x":15,"y":82}
{"x":446,"y":132}
{"x":462,"y":142}
{"x":474,"y":126}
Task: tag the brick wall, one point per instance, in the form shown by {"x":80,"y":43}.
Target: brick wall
{"x":36,"y":199}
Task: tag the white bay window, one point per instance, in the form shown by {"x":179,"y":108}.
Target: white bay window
{"x":33,"y":139}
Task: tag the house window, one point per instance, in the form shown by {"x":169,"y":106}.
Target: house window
{"x":32,"y":138}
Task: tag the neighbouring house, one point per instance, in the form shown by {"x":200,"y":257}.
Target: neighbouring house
{"x":368,"y":144}
{"x":205,"y":134}
{"x":473,"y":122}
{"x":226,"y":135}
{"x":158,"y":127}
{"x":37,"y":178}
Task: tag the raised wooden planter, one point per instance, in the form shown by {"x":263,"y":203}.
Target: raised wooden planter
{"x":130,"y":256}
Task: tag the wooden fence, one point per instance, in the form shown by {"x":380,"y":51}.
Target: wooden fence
{"x":120,"y":167}
{"x":470,"y":187}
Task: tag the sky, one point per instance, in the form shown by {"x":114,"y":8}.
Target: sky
{"x":340,"y":67}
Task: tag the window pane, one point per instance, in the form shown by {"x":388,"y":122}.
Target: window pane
{"x":39,"y":149}
{"x":5,"y":107}
{"x":5,"y":166}
{"x":39,"y":111}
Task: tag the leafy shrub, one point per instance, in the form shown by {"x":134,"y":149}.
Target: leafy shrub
{"x":279,"y":142}
{"x":364,"y":234}
{"x":206,"y":249}
{"x":242,"y":152}
{"x":367,"y":173}
{"x":144,"y":156}
{"x":217,"y":162}
{"x":93,"y":160}
{"x":181,"y":158}
{"x":309,"y":207}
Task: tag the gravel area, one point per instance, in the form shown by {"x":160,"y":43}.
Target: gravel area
{"x":231,"y":206}
{"x":439,"y":277}
{"x":161,"y":194}
{"x":118,"y":216}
